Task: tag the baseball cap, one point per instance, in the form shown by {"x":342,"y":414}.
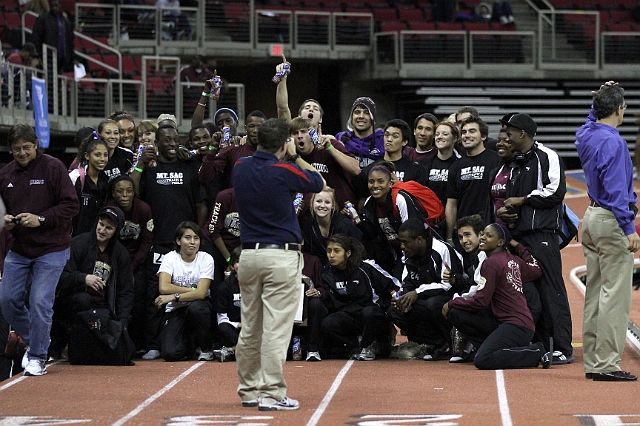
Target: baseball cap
{"x":520,"y":121}
{"x":31,"y":48}
{"x":114,"y":214}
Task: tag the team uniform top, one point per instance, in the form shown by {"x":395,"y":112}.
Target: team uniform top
{"x":501,"y":278}
{"x":172,"y":190}
{"x":267,"y":214}
{"x":120,"y":162}
{"x":469,"y":182}
{"x":222,"y":164}
{"x":437,"y":172}
{"x":224,"y":221}
{"x":136,"y":234}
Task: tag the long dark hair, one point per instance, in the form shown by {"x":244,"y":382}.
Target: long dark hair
{"x":187,"y":224}
{"x":87,"y":146}
{"x":349,"y":244}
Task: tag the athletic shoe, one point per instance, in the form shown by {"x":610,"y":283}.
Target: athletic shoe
{"x":438,"y":354}
{"x":25,"y":358}
{"x":35,"y":367}
{"x":561,"y":359}
{"x":251,"y":402}
{"x":313,"y":356}
{"x":271,"y":404}
{"x":367,"y":354}
{"x":206,"y":356}
{"x":546,"y":360}
{"x":614,"y":376}
{"x":224,"y":353}
{"x":152,"y":354}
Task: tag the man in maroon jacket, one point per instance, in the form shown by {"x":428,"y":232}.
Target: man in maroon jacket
{"x":40,"y":202}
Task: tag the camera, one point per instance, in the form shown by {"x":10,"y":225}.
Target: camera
{"x":16,"y":220}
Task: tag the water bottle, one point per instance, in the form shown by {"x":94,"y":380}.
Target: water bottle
{"x":296,"y":350}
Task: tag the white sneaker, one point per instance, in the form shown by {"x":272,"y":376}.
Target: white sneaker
{"x":152,"y":354}
{"x":25,"y":358}
{"x":224,"y":354}
{"x":271,"y":404}
{"x":313,"y":356}
{"x":206,"y":356}
{"x":35,"y":367}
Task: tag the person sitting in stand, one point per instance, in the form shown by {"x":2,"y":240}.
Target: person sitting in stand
{"x":90,"y":181}
{"x":497,"y":317}
{"x":358,"y":296}
{"x":184,"y":279}
{"x":97,"y":275}
{"x":325,"y":222}
{"x":228,"y":301}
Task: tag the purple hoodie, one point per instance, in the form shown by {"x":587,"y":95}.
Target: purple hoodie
{"x":367,"y":150}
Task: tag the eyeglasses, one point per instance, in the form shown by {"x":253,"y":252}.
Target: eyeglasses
{"x":26,"y":148}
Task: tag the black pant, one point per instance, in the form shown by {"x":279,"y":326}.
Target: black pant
{"x":153,"y":314}
{"x":316,"y":312}
{"x":228,"y":334}
{"x":138,"y":326}
{"x":184,"y":326}
{"x":509,"y":347}
{"x":65,"y":309}
{"x":344,"y":327}
{"x":476,"y":326}
{"x":555,"y":320}
{"x":424,"y":323}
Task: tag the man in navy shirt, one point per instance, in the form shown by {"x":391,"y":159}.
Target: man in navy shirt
{"x":271,"y":262}
{"x":609,"y":238}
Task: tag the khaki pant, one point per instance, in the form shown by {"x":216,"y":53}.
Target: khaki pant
{"x":269,"y":285}
{"x":608,"y":291}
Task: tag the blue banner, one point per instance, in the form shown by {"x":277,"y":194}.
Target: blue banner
{"x":40,"y":111}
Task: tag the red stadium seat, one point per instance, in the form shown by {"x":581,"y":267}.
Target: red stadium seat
{"x":477,"y":26}
{"x":385,"y":15}
{"x":411,"y":15}
{"x":422,"y":26}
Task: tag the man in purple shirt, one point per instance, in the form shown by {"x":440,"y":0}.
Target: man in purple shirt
{"x":40,"y":201}
{"x":609,"y":238}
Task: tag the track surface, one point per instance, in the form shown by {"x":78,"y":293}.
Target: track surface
{"x":335,"y":392}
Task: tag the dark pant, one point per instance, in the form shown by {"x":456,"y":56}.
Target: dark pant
{"x":424,"y":323}
{"x":153,"y":314}
{"x":138,"y":326}
{"x":316,"y":313}
{"x":228,"y":334}
{"x":184,"y":326}
{"x":476,"y":326}
{"x":344,"y":327}
{"x":65,"y":310}
{"x":555,"y":320}
{"x":509,"y":347}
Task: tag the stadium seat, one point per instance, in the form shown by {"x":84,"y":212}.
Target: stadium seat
{"x":477,"y":26}
{"x":393,"y":26}
{"x":422,"y":26}
{"x":449,"y":26}
{"x":12,"y":20}
{"x":385,"y":15}
{"x":621,"y":16}
{"x":411,"y":15}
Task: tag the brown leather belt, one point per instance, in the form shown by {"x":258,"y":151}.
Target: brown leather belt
{"x":594,"y":204}
{"x":259,"y":246}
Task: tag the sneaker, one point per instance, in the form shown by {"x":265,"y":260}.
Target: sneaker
{"x":313,"y":357}
{"x":504,"y":20}
{"x":35,"y":367}
{"x":152,"y":354}
{"x":25,"y":358}
{"x":438,"y":354}
{"x":561,"y":359}
{"x":367,"y":354}
{"x":251,"y":402}
{"x":546,"y":360}
{"x":271,"y":404}
{"x":224,"y":353}
{"x":206,"y":356}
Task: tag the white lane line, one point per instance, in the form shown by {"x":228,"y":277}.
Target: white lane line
{"x":313,"y":421}
{"x":21,"y":378}
{"x":502,"y":399}
{"x":157,"y":395}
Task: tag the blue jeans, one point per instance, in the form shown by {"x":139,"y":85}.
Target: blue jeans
{"x":33,"y":324}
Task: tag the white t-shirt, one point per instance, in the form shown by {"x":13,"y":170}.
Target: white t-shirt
{"x":185,"y":274}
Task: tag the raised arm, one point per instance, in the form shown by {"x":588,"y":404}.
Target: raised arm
{"x":282,"y":94}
